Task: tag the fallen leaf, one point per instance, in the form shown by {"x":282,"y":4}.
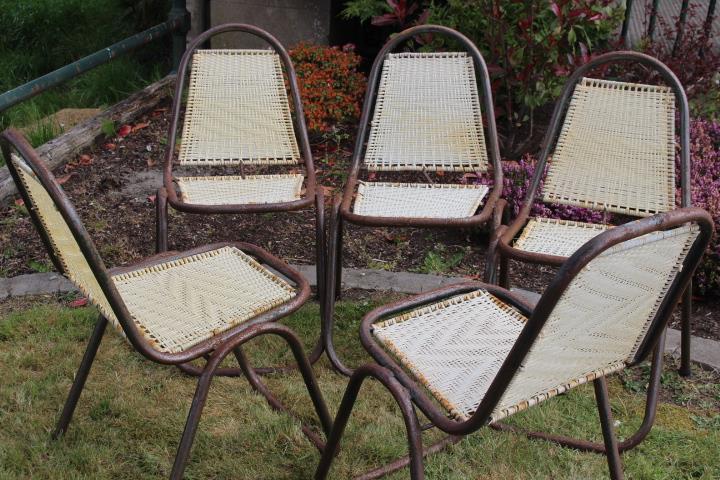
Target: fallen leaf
{"x":85,"y":160}
{"x":124,"y":131}
{"x":70,"y":166}
{"x":110,"y":146}
{"x":151,"y":162}
{"x":440,"y":173}
{"x":64,"y":178}
{"x":140,"y":126}
{"x":151,"y":198}
{"x":19,"y":202}
{"x":80,"y":302}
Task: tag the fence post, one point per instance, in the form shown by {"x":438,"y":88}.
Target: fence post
{"x":179,"y":12}
{"x":626,"y":23}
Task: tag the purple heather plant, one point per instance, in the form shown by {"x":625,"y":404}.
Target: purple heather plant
{"x":705,"y":191}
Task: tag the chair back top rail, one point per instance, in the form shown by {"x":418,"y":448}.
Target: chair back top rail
{"x":656,"y":99}
{"x":237,"y":108}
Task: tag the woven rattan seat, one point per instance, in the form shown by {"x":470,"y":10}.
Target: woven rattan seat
{"x":237,"y":110}
{"x":180,"y":303}
{"x":234,"y":190}
{"x":556,"y":237}
{"x":418,"y":200}
{"x":616,"y":150}
{"x":427,"y":115}
{"x":456,"y":347}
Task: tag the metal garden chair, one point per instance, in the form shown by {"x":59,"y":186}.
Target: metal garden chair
{"x":472,"y":354}
{"x":173,"y":307}
{"x":237,"y":114}
{"x":423,"y":113}
{"x":611,"y":148}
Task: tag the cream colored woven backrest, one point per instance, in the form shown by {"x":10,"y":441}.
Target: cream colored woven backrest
{"x":237,"y":110}
{"x":601,"y":318}
{"x":64,"y":244}
{"x":616,"y":150}
{"x":427,"y":115}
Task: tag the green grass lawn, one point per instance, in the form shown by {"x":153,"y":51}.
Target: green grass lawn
{"x":132,"y":412}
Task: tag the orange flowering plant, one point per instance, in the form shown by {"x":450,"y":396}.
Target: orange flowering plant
{"x":330,"y":84}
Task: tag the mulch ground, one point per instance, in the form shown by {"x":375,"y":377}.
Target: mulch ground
{"x":113,"y":183}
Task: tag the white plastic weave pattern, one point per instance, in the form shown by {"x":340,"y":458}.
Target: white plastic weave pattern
{"x":237,"y":110}
{"x":616,"y":150}
{"x":556,"y":237}
{"x":236,"y":190}
{"x":418,"y":200}
{"x":180,"y":303}
{"x":175,"y":304}
{"x":600,"y":320}
{"x":427,"y":115}
{"x":66,"y":248}
{"x":454,"y":347}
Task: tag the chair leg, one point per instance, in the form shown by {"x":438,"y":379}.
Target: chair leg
{"x":504,"y":277}
{"x":606,"y":421}
{"x":161,"y":221}
{"x":401,"y":396}
{"x":336,"y":247}
{"x":191,"y":424}
{"x":685,"y":317}
{"x":80,"y":378}
{"x":320,"y":245}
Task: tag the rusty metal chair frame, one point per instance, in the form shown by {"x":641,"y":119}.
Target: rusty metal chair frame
{"x":410,"y":394}
{"x":501,"y":243}
{"x":313,"y":197}
{"x":342,"y":211}
{"x":212,"y":350}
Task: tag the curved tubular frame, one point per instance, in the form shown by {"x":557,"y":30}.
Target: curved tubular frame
{"x":537,"y":316}
{"x":214,"y":350}
{"x":343,"y":211}
{"x":167,"y":195}
{"x":503,"y":237}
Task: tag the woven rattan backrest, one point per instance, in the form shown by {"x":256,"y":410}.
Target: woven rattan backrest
{"x":237,"y":110}
{"x":601,"y":318}
{"x":66,"y":248}
{"x":616,"y":149}
{"x":427,"y":115}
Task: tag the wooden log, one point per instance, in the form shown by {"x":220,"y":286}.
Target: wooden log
{"x":62,"y":148}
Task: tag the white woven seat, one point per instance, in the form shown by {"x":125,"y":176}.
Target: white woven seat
{"x":234,"y":190}
{"x":237,"y":110}
{"x":418,"y":200}
{"x":180,"y":303}
{"x":456,"y":347}
{"x":427,"y":115}
{"x":556,"y":237}
{"x":616,"y":149}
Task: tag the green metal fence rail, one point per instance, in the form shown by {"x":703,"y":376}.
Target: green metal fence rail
{"x":178,"y":24}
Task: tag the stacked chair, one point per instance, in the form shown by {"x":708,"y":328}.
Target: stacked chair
{"x":466,"y":356}
{"x":423,"y":113}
